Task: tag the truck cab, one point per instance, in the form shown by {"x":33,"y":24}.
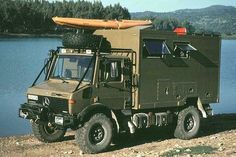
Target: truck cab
{"x":77,"y":82}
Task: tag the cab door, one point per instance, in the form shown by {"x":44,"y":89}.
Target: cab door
{"x":114,"y":83}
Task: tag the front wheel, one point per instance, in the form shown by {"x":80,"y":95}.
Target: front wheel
{"x":47,"y":133}
{"x":188,"y":123}
{"x":96,"y":134}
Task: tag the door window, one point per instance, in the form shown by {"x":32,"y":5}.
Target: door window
{"x":110,"y":71}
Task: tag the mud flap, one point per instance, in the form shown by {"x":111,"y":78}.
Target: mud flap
{"x":200,"y":108}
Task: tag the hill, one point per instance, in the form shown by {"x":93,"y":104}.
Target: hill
{"x":217,"y":18}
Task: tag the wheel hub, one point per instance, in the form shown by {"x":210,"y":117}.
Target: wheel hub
{"x":49,"y":129}
{"x":97,"y":134}
{"x":189,"y":123}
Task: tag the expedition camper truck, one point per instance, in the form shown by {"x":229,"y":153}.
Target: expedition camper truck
{"x":148,"y":78}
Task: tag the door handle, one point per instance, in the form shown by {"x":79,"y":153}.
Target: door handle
{"x":167,"y":91}
{"x":58,"y":94}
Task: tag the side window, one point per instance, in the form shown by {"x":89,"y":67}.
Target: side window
{"x":154,"y":48}
{"x":110,"y":71}
{"x":182,"y":49}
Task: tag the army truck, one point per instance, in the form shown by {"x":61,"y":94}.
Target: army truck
{"x":149,"y":78}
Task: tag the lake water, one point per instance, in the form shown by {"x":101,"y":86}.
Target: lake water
{"x":22,"y":58}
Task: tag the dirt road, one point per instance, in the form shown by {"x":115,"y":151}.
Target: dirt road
{"x":216,"y":138}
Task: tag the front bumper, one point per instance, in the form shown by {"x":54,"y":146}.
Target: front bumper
{"x":33,"y":111}
{"x":41,"y":114}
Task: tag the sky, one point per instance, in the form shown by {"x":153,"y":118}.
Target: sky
{"x":165,"y":5}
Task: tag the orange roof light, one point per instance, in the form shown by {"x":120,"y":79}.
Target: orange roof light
{"x":180,"y":31}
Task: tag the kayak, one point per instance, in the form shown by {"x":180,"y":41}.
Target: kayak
{"x":99,"y":24}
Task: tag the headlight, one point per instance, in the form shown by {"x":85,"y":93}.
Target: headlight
{"x":59,"y":120}
{"x":32,"y":97}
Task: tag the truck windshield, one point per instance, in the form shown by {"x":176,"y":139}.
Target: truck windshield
{"x":73,"y":68}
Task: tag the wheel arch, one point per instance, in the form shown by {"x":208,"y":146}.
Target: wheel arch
{"x":89,"y":111}
{"x":196,"y":102}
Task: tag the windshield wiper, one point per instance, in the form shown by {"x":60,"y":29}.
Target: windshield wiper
{"x":63,"y":80}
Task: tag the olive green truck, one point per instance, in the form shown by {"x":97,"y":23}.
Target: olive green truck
{"x":148,"y":78}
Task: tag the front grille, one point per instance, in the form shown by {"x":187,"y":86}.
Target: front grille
{"x":57,"y":105}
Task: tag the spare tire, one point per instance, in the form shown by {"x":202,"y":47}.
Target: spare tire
{"x":86,"y":41}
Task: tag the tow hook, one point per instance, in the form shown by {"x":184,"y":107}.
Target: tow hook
{"x":37,"y":118}
{"x":23,"y":115}
{"x":49,"y":124}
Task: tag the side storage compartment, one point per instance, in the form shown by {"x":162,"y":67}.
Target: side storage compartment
{"x":141,"y":120}
{"x":163,"y":119}
{"x":145,"y":120}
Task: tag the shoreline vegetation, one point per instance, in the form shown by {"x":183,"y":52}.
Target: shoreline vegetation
{"x":29,"y":35}
{"x":60,"y":35}
{"x":33,"y":18}
{"x":228,"y":37}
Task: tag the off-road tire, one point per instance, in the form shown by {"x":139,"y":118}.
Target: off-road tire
{"x":91,"y":141}
{"x":41,"y":133}
{"x":188,"y":123}
{"x":86,"y":41}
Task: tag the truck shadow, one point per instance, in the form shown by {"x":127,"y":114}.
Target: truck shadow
{"x":141,"y":137}
{"x":210,"y":126}
{"x":217,"y":124}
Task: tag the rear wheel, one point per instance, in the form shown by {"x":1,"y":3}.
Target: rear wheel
{"x":188,"y":123}
{"x":96,"y":134}
{"x":47,"y":133}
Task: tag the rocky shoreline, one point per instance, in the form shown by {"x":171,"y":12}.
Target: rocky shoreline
{"x":216,"y":138}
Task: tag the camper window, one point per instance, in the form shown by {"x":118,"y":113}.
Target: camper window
{"x":155,"y":48}
{"x":182,"y":49}
{"x":110,"y":71}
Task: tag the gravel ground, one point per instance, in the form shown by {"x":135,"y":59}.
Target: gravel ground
{"x":216,"y":138}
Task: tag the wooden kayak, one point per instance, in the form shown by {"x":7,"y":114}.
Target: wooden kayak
{"x":99,"y":24}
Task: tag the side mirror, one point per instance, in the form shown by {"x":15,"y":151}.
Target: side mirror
{"x":51,"y":53}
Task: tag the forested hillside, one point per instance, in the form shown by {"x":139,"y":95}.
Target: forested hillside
{"x":214,"y":18}
{"x":34,"y":16}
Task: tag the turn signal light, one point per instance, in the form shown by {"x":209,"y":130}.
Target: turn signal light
{"x":71,"y":101}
